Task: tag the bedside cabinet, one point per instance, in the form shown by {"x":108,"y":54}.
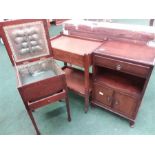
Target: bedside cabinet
{"x":120,"y":77}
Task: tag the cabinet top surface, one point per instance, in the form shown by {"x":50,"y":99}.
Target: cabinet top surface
{"x":75,"y":45}
{"x":128,"y":51}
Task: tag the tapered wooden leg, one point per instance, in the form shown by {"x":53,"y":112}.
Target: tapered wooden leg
{"x":132,"y":123}
{"x":87,"y":84}
{"x":33,"y":121}
{"x":29,"y":111}
{"x":68,"y":108}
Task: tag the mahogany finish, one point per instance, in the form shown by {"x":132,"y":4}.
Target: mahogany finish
{"x":124,"y":66}
{"x":75,"y":80}
{"x":59,"y":21}
{"x":104,"y":30}
{"x":121,"y":71}
{"x":76,"y":51}
{"x":75,"y":45}
{"x":37,"y":87}
{"x":128,"y":51}
{"x":102,"y":94}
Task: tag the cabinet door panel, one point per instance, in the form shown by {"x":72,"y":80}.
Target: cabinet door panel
{"x":103,"y":94}
{"x":124,"y":104}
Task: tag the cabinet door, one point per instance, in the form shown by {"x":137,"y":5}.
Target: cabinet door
{"x":103,"y":94}
{"x":124,"y":104}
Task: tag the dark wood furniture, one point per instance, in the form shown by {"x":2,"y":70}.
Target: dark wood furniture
{"x":59,"y":21}
{"x":122,"y":66}
{"x":76,"y":51}
{"x":40,"y":80}
{"x":121,"y":71}
{"x":104,"y":30}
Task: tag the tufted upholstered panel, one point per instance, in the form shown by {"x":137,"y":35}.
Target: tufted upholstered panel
{"x":27,"y":40}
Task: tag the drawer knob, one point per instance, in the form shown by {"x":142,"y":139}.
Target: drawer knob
{"x":101,"y":93}
{"x":118,"y":67}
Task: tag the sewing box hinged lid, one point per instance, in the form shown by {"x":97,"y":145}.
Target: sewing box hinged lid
{"x":27,"y":40}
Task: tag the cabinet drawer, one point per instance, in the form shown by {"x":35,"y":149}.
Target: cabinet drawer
{"x":77,"y":60}
{"x":61,"y":55}
{"x":102,"y":94}
{"x":122,"y":66}
{"x":124,"y":104}
{"x":71,"y":58}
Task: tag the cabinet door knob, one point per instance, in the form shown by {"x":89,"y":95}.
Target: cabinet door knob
{"x":101,"y":93}
{"x":118,"y":67}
